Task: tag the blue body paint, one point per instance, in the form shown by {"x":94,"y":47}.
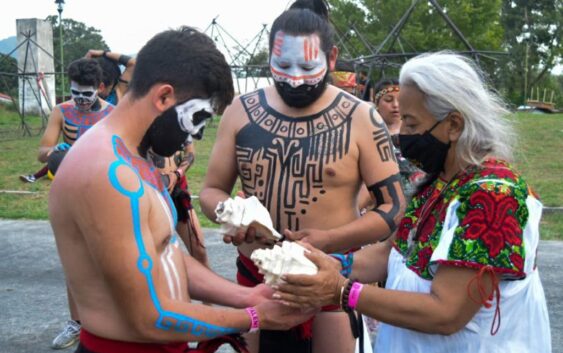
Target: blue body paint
{"x":167,"y":320}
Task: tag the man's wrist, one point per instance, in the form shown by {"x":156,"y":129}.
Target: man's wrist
{"x":254,"y":319}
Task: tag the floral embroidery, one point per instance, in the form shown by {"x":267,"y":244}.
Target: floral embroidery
{"x":492,"y":214}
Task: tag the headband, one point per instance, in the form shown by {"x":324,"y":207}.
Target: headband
{"x":388,"y":89}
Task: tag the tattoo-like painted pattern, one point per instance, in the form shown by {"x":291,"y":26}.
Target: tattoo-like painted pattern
{"x":167,"y":320}
{"x":76,"y":122}
{"x":392,"y":186}
{"x":281,"y":159}
{"x":382,"y":138}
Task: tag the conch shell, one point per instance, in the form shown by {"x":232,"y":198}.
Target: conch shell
{"x":289,"y":258}
{"x":240,"y":213}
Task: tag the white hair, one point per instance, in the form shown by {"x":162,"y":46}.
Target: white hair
{"x":453,"y":83}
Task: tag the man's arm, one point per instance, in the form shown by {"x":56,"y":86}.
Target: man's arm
{"x":380,"y":172}
{"x":125,"y":60}
{"x":51,"y":135}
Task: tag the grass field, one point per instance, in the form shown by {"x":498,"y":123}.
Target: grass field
{"x":538,"y":157}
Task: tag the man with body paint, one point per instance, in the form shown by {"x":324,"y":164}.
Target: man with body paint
{"x":71,"y":119}
{"x":113,"y":218}
{"x":303,"y":147}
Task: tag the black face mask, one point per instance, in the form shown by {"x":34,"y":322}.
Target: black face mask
{"x":301,"y":96}
{"x":425,"y":151}
{"x":165,"y":135}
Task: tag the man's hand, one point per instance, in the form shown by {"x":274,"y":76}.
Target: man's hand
{"x":276,"y":316}
{"x":306,"y":291}
{"x":316,"y":237}
{"x":94,"y":53}
{"x":258,"y":295}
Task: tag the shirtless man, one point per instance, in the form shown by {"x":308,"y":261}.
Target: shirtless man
{"x":70,"y":120}
{"x":303,"y":148}
{"x":73,"y":118}
{"x":113,"y":219}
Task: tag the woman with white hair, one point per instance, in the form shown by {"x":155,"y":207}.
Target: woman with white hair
{"x":461,"y":271}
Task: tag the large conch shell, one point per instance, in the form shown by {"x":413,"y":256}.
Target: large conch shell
{"x":240,"y":213}
{"x":289,"y":258}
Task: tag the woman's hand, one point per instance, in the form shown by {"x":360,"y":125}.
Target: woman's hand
{"x":312,"y":291}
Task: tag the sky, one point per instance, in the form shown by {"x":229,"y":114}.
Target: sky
{"x":126,"y":25}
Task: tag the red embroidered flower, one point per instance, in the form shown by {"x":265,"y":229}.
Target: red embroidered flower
{"x":404,"y":228}
{"x":517,"y":261}
{"x":491,"y":218}
{"x":500,"y":172}
{"x":424,"y":256}
{"x":428,"y":225}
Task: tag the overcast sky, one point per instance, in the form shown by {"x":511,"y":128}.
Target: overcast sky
{"x":126,"y":25}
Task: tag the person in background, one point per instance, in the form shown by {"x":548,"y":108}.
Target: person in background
{"x":386,"y":101}
{"x":73,"y":118}
{"x":173,"y":170}
{"x":119,"y":87}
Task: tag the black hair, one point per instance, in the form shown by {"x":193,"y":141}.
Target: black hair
{"x":383,"y":83}
{"x":188,"y":60}
{"x":85,"y":72}
{"x":110,"y":71}
{"x":305,"y":17}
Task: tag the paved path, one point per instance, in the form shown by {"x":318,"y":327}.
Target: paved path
{"x":33,"y":300}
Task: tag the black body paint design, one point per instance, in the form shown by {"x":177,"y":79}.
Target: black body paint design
{"x":382,"y":138}
{"x":281,"y":160}
{"x":394,"y":188}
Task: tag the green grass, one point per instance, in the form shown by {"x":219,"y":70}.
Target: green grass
{"x":538,"y":157}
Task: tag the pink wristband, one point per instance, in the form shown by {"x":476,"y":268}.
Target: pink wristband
{"x":354,"y":295}
{"x":254,"y":321}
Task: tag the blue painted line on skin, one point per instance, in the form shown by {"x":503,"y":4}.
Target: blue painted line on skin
{"x":167,"y":319}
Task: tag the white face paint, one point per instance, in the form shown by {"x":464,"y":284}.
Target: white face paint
{"x":298,"y":60}
{"x":84,"y":96}
{"x":193,"y":115}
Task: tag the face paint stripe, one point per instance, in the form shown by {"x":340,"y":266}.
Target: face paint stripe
{"x":304,"y":77}
{"x":167,"y":320}
{"x":306,"y":49}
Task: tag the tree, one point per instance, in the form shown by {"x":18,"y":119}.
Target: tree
{"x":8,"y":75}
{"x":78,"y":38}
{"x":366,"y":23}
{"x":533,"y":35}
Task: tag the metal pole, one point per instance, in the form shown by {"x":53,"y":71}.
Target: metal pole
{"x":60,"y":9}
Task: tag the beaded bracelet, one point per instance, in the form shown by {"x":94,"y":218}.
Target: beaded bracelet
{"x":254,"y":320}
{"x":346,"y":260}
{"x":345,"y":297}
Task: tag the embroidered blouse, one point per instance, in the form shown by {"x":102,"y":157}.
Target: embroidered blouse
{"x":486,"y":216}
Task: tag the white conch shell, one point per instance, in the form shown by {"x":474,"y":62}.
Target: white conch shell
{"x":240,"y":213}
{"x":288,"y":258}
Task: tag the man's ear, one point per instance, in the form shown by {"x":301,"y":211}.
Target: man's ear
{"x":332,"y":56}
{"x":163,"y":96}
{"x":101,"y":87}
{"x":456,"y":125}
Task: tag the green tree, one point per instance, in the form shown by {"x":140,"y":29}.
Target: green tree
{"x":533,"y":34}
{"x":8,"y":75}
{"x":368,"y":22}
{"x":78,"y":38}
